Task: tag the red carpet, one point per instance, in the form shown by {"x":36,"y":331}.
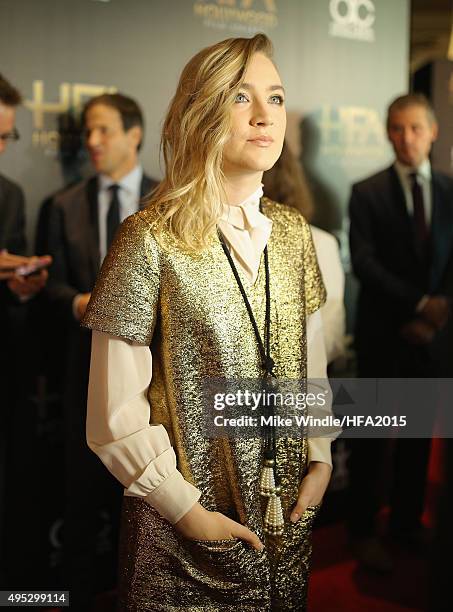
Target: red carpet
{"x":337,"y":585}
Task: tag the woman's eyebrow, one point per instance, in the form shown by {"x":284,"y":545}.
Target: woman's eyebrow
{"x":270,"y":88}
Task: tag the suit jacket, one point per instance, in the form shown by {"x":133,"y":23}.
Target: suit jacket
{"x":387,"y":263}
{"x":73,"y":241}
{"x":12,"y":312}
{"x":12,"y":217}
{"x":12,"y":237}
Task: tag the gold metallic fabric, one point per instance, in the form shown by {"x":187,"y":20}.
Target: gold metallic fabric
{"x":190,"y":310}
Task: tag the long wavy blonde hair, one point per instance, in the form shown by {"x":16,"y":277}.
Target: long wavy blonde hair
{"x":188,"y":201}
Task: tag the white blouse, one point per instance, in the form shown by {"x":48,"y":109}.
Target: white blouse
{"x":333,"y":312}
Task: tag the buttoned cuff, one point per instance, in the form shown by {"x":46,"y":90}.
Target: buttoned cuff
{"x":174,"y":497}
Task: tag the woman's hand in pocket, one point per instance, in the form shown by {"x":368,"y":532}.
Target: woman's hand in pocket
{"x":312,"y":488}
{"x":200,"y":524}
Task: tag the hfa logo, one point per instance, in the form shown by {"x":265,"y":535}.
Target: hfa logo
{"x":354,"y":132}
{"x":240,"y":15}
{"x":46,"y":114}
{"x":352,"y":19}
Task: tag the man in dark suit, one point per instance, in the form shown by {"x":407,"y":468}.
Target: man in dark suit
{"x":12,"y":208}
{"x":82,"y":223}
{"x":15,"y":292}
{"x":401,"y":238}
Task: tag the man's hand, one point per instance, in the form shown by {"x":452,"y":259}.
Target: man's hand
{"x":82,"y":303}
{"x":26,"y":287}
{"x":312,"y":488}
{"x":436,"y":311}
{"x":9,"y":263}
{"x":200,"y":524}
{"x":418,"y":332}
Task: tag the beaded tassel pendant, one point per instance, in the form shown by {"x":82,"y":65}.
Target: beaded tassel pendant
{"x":273,"y":517}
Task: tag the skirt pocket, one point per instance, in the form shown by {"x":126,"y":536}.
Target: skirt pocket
{"x":228,"y":563}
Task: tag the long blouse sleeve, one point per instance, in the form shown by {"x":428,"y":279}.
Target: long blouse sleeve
{"x":122,"y":314}
{"x":333,"y":311}
{"x":318,"y":448}
{"x":138,"y":454}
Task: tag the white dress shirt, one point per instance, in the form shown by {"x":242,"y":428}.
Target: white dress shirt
{"x":129,"y":198}
{"x":138,"y":454}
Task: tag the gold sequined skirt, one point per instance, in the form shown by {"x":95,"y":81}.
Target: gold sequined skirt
{"x":160,"y":571}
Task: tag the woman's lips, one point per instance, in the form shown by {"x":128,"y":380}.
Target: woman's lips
{"x":261,"y":141}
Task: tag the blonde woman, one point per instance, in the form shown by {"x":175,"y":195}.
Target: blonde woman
{"x":203,"y":284}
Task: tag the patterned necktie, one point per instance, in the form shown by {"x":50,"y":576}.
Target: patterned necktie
{"x":420,"y":225}
{"x":113,"y":216}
